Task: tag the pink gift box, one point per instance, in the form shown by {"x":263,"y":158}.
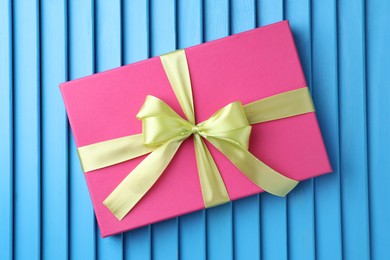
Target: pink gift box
{"x":246,"y":67}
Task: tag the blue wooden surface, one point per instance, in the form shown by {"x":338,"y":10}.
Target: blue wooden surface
{"x":81,"y":62}
{"x":54,"y":187}
{"x":27,"y":152}
{"x":45,"y":209}
{"x":325,"y":93}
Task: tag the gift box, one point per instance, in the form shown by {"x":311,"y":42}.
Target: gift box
{"x":224,"y":75}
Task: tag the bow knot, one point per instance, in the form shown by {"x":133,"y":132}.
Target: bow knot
{"x":195,"y":130}
{"x":160,"y":124}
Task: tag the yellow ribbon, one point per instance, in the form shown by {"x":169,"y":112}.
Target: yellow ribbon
{"x":163,"y":131}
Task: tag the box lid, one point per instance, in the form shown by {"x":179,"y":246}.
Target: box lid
{"x":246,"y":67}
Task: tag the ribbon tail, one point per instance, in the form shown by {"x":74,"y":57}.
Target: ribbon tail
{"x":258,"y":172}
{"x":107,"y":153}
{"x":131,"y":190}
{"x":213,"y":188}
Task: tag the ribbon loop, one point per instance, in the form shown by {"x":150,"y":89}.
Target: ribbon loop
{"x":228,"y":122}
{"x":155,"y":107}
{"x":230,"y":117}
{"x":160,"y":123}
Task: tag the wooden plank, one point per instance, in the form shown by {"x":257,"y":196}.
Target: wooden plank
{"x":108,"y":55}
{"x":246,"y":212}
{"x":190,"y":23}
{"x":273,"y":227}
{"x":135,"y":31}
{"x":81,"y":63}
{"x":378,"y":93}
{"x":325,"y":96}
{"x":353,"y":132}
{"x":301,"y":222}
{"x":246,"y":228}
{"x":27,"y":132}
{"x":54,"y":130}
{"x":273,"y":209}
{"x":193,"y":236}
{"x":219,"y":219}
{"x":6,"y":131}
{"x":269,"y":11}
{"x":216,"y":19}
{"x":165,"y":235}
{"x":192,"y":226}
{"x":137,"y":243}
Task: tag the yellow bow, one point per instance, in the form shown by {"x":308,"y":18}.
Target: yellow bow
{"x":164,"y":131}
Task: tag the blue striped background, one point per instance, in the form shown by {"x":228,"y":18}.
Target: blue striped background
{"x":45,"y":210}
